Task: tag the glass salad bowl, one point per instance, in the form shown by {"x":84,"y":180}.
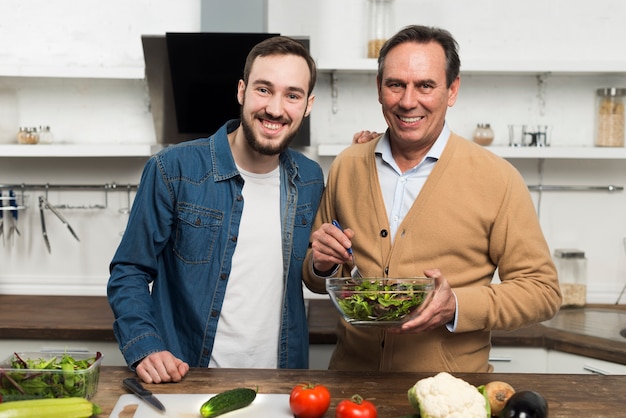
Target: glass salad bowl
{"x":379,"y":302}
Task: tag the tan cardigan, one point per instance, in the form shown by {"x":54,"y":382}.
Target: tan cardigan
{"x":473,"y":214}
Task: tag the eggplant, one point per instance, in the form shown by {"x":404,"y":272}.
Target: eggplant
{"x":525,"y":404}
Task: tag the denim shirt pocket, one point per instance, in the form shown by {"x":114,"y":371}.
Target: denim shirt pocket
{"x":302,"y":230}
{"x":197,"y":231}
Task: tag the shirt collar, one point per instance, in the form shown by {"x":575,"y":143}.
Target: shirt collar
{"x":383,"y":148}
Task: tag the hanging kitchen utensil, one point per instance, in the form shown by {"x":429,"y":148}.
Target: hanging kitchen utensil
{"x":14,"y":209}
{"x":2,"y":217}
{"x":42,"y":206}
{"x":43,"y":201}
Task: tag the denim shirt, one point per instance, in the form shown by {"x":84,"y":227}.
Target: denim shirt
{"x":169,"y":274}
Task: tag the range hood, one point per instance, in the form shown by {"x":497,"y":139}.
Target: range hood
{"x":192,"y":82}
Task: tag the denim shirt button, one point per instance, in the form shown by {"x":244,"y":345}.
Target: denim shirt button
{"x":233,"y":238}
{"x":223,"y":276}
{"x":198,"y":222}
{"x":214,"y":313}
{"x":239,"y":198}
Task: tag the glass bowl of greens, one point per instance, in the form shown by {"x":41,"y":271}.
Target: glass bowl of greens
{"x":32,"y":375}
{"x":379,"y":302}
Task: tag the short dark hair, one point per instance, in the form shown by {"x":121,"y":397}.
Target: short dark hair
{"x":280,"y":45}
{"x":423,"y":35}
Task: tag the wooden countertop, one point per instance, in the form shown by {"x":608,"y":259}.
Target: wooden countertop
{"x":90,"y":318}
{"x":567,"y":395}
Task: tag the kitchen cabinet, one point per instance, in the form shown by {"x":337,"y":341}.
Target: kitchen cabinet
{"x":518,"y":359}
{"x":560,"y":362}
{"x":319,"y":356}
{"x":541,"y":360}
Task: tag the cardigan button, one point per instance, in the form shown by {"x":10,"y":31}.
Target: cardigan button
{"x":384,"y":233}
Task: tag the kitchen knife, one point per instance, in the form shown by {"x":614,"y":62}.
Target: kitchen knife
{"x":135,"y":386}
{"x":43,"y":223}
{"x":13,"y":204}
{"x":1,"y":220}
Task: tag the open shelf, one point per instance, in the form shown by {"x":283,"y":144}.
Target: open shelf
{"x":75,"y":150}
{"x":331,"y":150}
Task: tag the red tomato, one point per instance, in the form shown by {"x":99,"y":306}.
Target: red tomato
{"x":356,"y":407}
{"x":309,"y":400}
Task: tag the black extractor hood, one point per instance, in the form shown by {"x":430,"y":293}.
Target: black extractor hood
{"x":192,"y":82}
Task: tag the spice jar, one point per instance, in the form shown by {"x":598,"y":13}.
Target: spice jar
{"x":380,"y":25}
{"x":27,"y":136}
{"x":610,"y":117}
{"x":45,"y":135}
{"x":483,"y":134}
{"x":571,"y":266}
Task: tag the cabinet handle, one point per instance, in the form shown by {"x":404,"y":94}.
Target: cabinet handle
{"x":595,"y":370}
{"x":501,"y":359}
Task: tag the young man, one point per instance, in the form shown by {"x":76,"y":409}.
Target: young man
{"x":208,"y":272}
{"x":437,"y":205}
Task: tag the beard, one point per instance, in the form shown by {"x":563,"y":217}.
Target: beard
{"x":265,"y":149}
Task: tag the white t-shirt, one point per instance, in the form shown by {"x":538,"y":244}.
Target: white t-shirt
{"x":249,"y":324}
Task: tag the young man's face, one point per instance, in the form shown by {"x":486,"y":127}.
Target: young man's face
{"x":274,"y":102}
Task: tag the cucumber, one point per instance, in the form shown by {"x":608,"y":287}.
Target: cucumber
{"x":227,"y":401}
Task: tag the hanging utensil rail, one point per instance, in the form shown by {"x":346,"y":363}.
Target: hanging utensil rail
{"x":23,"y":187}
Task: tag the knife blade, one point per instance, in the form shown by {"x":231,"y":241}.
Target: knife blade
{"x":43,"y":223}
{"x":137,"y":388}
{"x":13,"y":204}
{"x":2,"y":236}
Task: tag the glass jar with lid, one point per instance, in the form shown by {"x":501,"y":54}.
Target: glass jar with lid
{"x":571,"y":265}
{"x":610,"y":117}
{"x":380,"y":25}
{"x":483,"y":134}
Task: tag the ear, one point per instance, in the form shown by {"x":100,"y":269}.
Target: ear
{"x":453,"y":91}
{"x":241,"y":90}
{"x":309,"y":105}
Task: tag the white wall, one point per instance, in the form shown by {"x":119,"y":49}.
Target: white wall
{"x":95,"y":34}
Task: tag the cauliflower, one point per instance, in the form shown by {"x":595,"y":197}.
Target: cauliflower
{"x":445,"y":396}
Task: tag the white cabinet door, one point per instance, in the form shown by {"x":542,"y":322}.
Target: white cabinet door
{"x":518,"y":360}
{"x":559,"y":362}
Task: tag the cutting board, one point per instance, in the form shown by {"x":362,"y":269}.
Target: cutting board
{"x":188,"y":406}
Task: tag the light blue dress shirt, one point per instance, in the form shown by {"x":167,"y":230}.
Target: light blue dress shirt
{"x":400,"y":189}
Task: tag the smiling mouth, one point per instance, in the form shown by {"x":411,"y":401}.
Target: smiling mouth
{"x":272,"y":126}
{"x":410,"y":119}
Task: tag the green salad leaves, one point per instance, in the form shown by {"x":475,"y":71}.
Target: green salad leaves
{"x":59,"y":376}
{"x":380,"y":300}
